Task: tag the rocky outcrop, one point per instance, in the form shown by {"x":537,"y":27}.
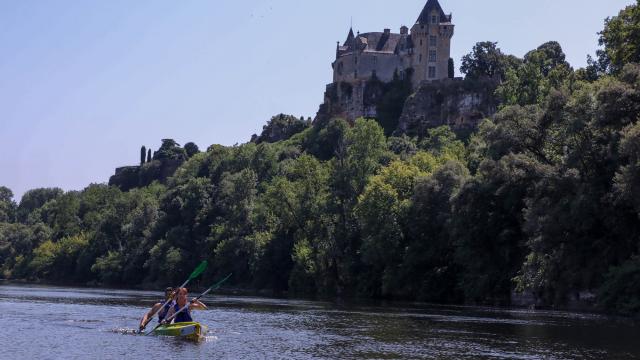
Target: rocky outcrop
{"x":343,"y":100}
{"x":455,"y":102}
{"x":281,"y":127}
{"x":459,"y":103}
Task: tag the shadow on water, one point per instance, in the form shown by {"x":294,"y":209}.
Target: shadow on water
{"x":101,"y":323}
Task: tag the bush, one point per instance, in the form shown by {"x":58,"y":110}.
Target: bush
{"x":621,"y":289}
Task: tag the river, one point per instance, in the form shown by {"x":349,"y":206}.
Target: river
{"x":54,"y":322}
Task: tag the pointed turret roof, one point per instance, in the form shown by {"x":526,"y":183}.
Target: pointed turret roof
{"x":424,"y":17}
{"x":350,"y":38}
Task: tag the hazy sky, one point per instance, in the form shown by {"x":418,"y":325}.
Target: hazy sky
{"x":83,"y":84}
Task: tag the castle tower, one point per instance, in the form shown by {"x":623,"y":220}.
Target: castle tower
{"x":431,"y":37}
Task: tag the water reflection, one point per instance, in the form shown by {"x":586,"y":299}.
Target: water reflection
{"x":100,"y":323}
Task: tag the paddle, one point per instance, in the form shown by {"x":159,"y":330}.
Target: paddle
{"x":199,"y":270}
{"x":213,"y":287}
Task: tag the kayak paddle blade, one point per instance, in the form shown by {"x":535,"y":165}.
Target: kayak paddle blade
{"x":217,"y":285}
{"x":199,"y":270}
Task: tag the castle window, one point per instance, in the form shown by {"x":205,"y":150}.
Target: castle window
{"x":432,"y":72}
{"x":356,"y":59}
{"x":420,"y":58}
{"x":433,"y":40}
{"x":434,"y":19}
{"x":420,"y":42}
{"x":375,"y":60}
{"x":432,"y":55}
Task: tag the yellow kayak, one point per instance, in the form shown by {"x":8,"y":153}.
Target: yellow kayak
{"x":185,"y":330}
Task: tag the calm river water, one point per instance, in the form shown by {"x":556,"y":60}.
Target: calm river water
{"x":54,"y":323}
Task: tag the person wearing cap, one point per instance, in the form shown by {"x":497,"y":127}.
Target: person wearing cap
{"x":161,"y":308}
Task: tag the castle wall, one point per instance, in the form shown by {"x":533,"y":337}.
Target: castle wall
{"x":348,"y":69}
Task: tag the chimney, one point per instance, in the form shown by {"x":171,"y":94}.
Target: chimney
{"x":404,"y":30}
{"x":387,"y":31}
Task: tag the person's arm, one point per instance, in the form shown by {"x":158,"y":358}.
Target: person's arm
{"x":149,"y":315}
{"x":197,"y":304}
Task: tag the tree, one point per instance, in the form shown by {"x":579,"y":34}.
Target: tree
{"x":33,"y":200}
{"x":627,"y":179}
{"x":543,"y":70}
{"x":17,"y":241}
{"x":381,"y":240}
{"x":143,"y":153}
{"x":299,"y":202}
{"x":281,"y":127}
{"x":324,"y":140}
{"x":170,"y":150}
{"x":451,"y":71}
{"x":486,"y":60}
{"x":191,"y":149}
{"x":621,"y":40}
{"x":427,"y":270}
{"x":403,"y":146}
{"x":7,"y":205}
{"x":443,"y":142}
{"x":486,"y":226}
{"x":387,"y":196}
{"x":620,"y":290}
{"x":149,"y":155}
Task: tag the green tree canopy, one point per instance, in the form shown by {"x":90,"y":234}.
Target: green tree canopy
{"x":191,"y":149}
{"x":170,"y":150}
{"x":7,"y":205}
{"x":621,"y":40}
{"x":487,"y":60}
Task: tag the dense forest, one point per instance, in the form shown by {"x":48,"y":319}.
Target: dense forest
{"x":542,"y":199}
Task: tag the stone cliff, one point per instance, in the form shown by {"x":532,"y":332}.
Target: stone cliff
{"x":461,"y":104}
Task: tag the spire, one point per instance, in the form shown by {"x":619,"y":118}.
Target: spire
{"x":425,"y":18}
{"x":350,"y":38}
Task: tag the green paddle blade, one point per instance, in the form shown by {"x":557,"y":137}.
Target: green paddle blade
{"x":199,"y":270}
{"x":220,"y":282}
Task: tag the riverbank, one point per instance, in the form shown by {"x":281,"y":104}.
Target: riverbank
{"x":343,"y":302}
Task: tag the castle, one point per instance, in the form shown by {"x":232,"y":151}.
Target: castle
{"x":426,"y":50}
{"x":422,"y":55}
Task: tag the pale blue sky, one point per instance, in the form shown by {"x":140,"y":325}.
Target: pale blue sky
{"x":83,"y":84}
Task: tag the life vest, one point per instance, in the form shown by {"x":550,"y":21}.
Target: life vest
{"x":183,"y":316}
{"x":162,"y":313}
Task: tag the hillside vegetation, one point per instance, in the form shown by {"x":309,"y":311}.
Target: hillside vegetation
{"x":544,"y":198}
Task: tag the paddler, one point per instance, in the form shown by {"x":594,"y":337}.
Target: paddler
{"x":181,"y":301}
{"x":169,"y":295}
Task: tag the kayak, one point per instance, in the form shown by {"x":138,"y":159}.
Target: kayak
{"x":186,"y":330}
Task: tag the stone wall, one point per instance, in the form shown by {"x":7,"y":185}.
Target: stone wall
{"x":362,"y":66}
{"x":130,"y":177}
